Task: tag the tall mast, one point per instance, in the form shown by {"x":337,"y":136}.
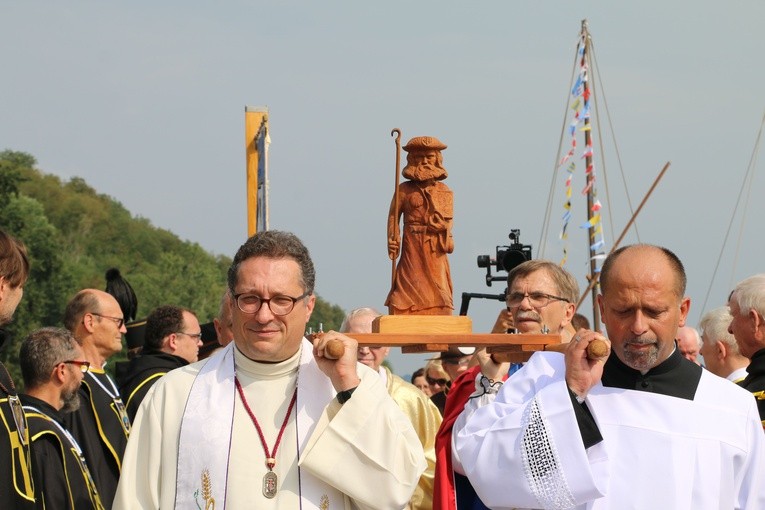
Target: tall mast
{"x":593,"y":275}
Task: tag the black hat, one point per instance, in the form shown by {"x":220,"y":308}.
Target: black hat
{"x":209,"y":340}
{"x":135,"y":333}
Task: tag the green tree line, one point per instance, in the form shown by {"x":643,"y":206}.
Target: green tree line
{"x":74,"y":235}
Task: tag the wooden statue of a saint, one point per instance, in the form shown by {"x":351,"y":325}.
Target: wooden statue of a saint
{"x":422,"y":282}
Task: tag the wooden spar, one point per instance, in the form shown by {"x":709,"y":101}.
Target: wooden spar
{"x":594,"y":281}
{"x":506,"y":348}
{"x":502,"y":347}
{"x":592,"y":277}
{"x":464,"y":339}
{"x":397,"y":133}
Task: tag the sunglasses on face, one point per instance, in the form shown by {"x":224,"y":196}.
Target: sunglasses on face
{"x":433,"y":382}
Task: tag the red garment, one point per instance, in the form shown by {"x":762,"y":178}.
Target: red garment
{"x":443,"y":488}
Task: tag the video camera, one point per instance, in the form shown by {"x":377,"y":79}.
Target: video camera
{"x":507,"y":257}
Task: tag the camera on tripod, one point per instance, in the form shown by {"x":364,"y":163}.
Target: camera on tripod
{"x":507,"y":257}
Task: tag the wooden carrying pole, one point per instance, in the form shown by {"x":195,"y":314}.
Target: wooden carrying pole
{"x":503,"y":347}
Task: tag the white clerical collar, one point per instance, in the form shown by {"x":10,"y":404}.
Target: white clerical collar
{"x":253,"y":368}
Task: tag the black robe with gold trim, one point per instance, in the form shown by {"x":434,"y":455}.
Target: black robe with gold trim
{"x":97,"y":427}
{"x":64,"y":482}
{"x":16,"y":486}
{"x":142,"y":373}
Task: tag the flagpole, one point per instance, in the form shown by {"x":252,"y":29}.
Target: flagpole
{"x":593,"y":276}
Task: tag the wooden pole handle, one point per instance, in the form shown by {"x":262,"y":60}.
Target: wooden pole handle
{"x":596,"y":349}
{"x":334,"y":349}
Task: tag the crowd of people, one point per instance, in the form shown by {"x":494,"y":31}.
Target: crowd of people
{"x":263,"y":417}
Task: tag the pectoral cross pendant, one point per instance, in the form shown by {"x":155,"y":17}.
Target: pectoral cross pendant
{"x":269,"y":484}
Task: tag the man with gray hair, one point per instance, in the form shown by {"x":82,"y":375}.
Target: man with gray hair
{"x":423,"y":413}
{"x":719,"y":348}
{"x":101,"y":424}
{"x":541,"y":297}
{"x":53,"y":365}
{"x":223,"y":322}
{"x":747,"y":307}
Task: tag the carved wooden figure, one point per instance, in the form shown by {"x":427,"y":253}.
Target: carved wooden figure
{"x":422,"y":283}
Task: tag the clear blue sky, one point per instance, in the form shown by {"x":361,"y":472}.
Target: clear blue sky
{"x":145,"y":100}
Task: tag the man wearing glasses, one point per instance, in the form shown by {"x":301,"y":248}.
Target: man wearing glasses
{"x":171,"y":340}
{"x":53,"y":367}
{"x":540,"y":298}
{"x":228,"y":431}
{"x":423,"y":414}
{"x":101,"y":425}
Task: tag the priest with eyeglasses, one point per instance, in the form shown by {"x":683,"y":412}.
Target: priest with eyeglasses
{"x":271,"y":421}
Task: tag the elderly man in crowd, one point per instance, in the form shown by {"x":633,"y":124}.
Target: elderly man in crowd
{"x":540,"y":296}
{"x":101,"y":425}
{"x":719,"y":347}
{"x":53,"y":367}
{"x":416,"y":405}
{"x":645,"y":427}
{"x":229,"y":431}
{"x":747,"y":307}
{"x":689,"y":343}
{"x":223,"y":322}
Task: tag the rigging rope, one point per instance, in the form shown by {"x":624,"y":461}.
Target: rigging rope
{"x":550,"y":195}
{"x":745,"y":184}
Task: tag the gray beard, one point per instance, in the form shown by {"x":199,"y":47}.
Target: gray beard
{"x":71,"y":401}
{"x":641,"y":361}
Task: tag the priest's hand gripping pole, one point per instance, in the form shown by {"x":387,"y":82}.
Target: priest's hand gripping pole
{"x":334,"y":348}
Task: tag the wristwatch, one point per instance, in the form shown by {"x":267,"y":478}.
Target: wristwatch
{"x":345,"y":395}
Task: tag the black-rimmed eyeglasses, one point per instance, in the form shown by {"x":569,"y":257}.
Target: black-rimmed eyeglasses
{"x":279,"y":305}
{"x":118,"y":320}
{"x":84,"y":366}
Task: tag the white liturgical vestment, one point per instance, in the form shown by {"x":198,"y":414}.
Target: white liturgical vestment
{"x":362,"y":454}
{"x":526,"y":450}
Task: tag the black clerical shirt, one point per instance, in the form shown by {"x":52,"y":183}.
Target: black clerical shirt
{"x":674,"y":377}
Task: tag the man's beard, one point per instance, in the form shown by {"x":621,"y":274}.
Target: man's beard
{"x":423,"y":172}
{"x":71,"y":399}
{"x":641,"y":360}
